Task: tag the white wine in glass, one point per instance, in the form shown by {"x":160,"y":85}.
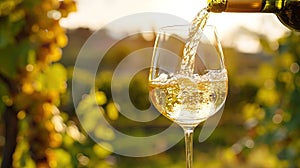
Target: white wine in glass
{"x":186,"y":87}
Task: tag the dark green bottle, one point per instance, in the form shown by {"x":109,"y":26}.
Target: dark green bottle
{"x":287,"y":11}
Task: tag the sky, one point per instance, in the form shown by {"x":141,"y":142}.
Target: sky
{"x":95,"y":14}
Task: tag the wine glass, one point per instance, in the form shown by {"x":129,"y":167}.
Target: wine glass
{"x":188,"y":85}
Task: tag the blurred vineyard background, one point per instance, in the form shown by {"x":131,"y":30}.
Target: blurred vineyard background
{"x":259,"y":128}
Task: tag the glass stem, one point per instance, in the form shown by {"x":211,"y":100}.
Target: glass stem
{"x":188,"y":134}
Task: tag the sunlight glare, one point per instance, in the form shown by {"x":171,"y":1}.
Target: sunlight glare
{"x":95,"y":14}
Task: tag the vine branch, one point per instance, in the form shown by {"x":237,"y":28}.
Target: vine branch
{"x":11,"y":126}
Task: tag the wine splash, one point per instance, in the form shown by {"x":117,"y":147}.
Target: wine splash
{"x":189,"y":102}
{"x":190,"y":48}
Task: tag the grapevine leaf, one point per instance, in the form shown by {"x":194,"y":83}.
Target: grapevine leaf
{"x":8,"y":64}
{"x":13,"y":59}
{"x":9,"y":30}
{"x":5,"y":34}
{"x":53,"y":79}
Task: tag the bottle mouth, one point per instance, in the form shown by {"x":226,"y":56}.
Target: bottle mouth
{"x":217,"y":5}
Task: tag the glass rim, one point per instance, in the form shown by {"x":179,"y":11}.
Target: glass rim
{"x":180,"y":26}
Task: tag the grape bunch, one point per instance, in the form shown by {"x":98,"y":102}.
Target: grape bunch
{"x":31,"y":79}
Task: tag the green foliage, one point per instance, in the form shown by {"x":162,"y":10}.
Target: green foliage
{"x":277,"y":102}
{"x":52,"y":79}
{"x":11,"y":21}
{"x":13,"y":60}
{"x":31,"y":83}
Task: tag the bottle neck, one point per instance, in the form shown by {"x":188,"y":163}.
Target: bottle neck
{"x":268,"y":6}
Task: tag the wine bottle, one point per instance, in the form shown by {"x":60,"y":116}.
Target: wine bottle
{"x":287,"y":11}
